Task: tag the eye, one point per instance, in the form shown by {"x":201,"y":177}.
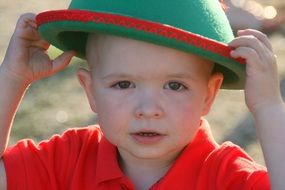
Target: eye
{"x":123,"y":85}
{"x":175,"y":86}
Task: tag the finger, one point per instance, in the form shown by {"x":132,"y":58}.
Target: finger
{"x":27,"y":17}
{"x":251,"y":42}
{"x":62,"y":61}
{"x":259,"y":35}
{"x":32,"y":23}
{"x":42,"y":44}
{"x":249,"y":54}
{"x":26,"y":27}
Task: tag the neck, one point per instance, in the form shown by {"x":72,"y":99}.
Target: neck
{"x":145,"y":172}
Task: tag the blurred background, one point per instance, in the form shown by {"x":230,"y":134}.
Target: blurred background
{"x":57,"y":103}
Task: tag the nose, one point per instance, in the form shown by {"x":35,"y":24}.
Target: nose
{"x":148,"y":106}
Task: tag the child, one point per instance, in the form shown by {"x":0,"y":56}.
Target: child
{"x":150,"y":98}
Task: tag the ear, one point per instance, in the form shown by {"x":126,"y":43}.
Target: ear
{"x":214,"y":84}
{"x":85,"y":80}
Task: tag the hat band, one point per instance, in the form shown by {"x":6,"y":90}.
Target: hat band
{"x":164,"y":30}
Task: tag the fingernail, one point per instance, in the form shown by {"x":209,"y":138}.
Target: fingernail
{"x":240,"y":31}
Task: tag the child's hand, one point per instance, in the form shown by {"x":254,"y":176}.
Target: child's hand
{"x":26,"y":59}
{"x":262,"y":83}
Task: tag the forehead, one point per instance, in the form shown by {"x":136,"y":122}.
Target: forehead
{"x":106,"y":52}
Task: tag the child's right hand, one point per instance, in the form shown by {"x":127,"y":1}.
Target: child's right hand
{"x":26,"y":60}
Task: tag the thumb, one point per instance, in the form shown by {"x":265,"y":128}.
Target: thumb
{"x":62,"y":61}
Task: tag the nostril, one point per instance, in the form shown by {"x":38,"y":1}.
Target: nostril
{"x":148,"y":110}
{"x":141,"y":114}
{"x":157,"y":114}
{"x":138,"y":114}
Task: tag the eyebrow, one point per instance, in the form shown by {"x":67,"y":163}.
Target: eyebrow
{"x":117,"y":75}
{"x":183,"y":75}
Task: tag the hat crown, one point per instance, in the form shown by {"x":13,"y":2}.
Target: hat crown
{"x":195,"y":26}
{"x":204,"y":17}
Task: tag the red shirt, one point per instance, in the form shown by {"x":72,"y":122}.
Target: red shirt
{"x":82,"y":159}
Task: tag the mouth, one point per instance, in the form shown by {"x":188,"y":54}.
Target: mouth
{"x":147,"y":134}
{"x":147,"y":137}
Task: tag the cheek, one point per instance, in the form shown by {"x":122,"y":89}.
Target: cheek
{"x":186,"y":115}
{"x":186,"y":106}
{"x":112,"y":113}
{"x":186,"y":126}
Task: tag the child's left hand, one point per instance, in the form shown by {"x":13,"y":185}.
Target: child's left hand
{"x":262,"y":88}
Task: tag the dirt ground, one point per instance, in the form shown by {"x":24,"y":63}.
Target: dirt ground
{"x":229,"y":118}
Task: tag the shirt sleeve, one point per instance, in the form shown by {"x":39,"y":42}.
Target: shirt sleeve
{"x":48,"y":165}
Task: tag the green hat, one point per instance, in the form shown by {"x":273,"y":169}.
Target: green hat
{"x":195,"y":26}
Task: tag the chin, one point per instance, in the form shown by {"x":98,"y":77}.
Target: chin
{"x":154,"y":153}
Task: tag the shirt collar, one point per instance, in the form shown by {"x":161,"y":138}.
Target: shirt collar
{"x":107,"y":164}
{"x":185,"y":170}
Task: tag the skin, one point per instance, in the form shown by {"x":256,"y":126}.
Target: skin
{"x":148,"y":97}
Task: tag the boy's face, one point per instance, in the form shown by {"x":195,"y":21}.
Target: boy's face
{"x":149,"y":99}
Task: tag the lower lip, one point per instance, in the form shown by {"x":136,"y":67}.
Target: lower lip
{"x":148,"y":140}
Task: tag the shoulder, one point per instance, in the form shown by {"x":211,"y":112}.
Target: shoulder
{"x":57,"y":158}
{"x":230,"y":158}
{"x":73,"y":138}
{"x":88,"y":132}
{"x":233,"y":167}
{"x":232,"y":154}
